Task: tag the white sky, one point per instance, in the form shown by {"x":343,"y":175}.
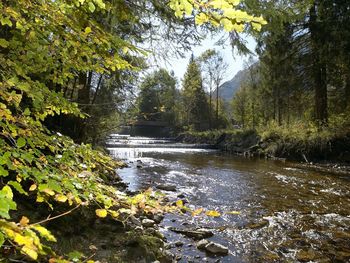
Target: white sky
{"x":235,"y":61}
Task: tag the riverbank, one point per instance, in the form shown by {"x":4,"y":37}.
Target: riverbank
{"x":306,"y":147}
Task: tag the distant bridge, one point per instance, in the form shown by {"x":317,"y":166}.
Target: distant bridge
{"x":148,"y":128}
{"x":148,"y":123}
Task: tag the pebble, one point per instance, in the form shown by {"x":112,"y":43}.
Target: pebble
{"x":202,"y":243}
{"x":216,"y":248}
{"x":166,"y":187}
{"x":148,"y":222}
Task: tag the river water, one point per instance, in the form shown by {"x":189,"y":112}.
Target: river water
{"x":286,"y":214}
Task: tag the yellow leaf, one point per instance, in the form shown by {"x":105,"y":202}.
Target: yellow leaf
{"x":101,"y":212}
{"x":114,"y":213}
{"x":88,"y":30}
{"x":23,"y":240}
{"x":197,"y":212}
{"x":32,"y":187}
{"x":24,"y":221}
{"x":233,"y":213}
{"x":234,"y":2}
{"x":40,"y":199}
{"x":49,"y":191}
{"x":44,"y":233}
{"x":213,"y":213}
{"x":29,"y":251}
{"x":256,"y":26}
{"x":61,"y":198}
{"x":179,"y":203}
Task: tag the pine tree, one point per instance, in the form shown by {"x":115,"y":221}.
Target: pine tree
{"x":195,"y":104}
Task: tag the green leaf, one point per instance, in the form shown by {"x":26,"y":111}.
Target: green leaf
{"x":4,"y":43}
{"x":6,"y":192}
{"x":18,"y":187}
{"x":4,"y":208}
{"x":6,"y":21}
{"x":2,"y":239}
{"x":75,"y":255}
{"x":100,"y":4}
{"x":21,"y":142}
{"x":92,"y":7}
{"x":3,"y":172}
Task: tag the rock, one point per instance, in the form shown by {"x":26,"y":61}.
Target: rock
{"x":158,"y":218}
{"x":216,"y":248}
{"x":168,"y":256}
{"x":179,"y":243}
{"x":156,"y":261}
{"x":166,"y":187}
{"x":202,"y":243}
{"x":193,"y":233}
{"x":148,"y":222}
{"x":138,"y":229}
{"x":181,"y":195}
{"x":305,"y":256}
{"x":135,"y":221}
{"x":257,"y":225}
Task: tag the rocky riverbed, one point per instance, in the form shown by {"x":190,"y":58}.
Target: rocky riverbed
{"x":270,"y":211}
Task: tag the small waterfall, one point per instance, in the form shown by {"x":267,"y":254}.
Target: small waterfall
{"x":126,"y":147}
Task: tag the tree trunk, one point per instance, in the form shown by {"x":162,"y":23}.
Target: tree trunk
{"x":318,"y":70}
{"x":210,"y":107}
{"x":347,"y":90}
{"x":217,"y":104}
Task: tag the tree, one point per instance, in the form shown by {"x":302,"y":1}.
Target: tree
{"x":239,"y":105}
{"x":214,"y":69}
{"x":195,"y":102}
{"x":157,"y":97}
{"x":55,"y":58}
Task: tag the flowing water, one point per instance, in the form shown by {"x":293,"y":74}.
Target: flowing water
{"x":287,"y":214}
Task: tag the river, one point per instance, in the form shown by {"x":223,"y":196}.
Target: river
{"x":286,"y":214}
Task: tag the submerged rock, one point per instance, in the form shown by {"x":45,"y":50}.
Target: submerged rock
{"x":166,"y":187}
{"x":216,"y":248}
{"x":179,"y":243}
{"x":305,"y":256}
{"x":257,"y":225}
{"x":193,"y":233}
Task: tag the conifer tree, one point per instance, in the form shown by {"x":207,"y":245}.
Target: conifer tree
{"x":196,"y":108}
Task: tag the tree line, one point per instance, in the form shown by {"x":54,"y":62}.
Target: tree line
{"x":196,"y":105}
{"x":302,"y":71}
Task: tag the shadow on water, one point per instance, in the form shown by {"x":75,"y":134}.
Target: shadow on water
{"x":286,"y":214}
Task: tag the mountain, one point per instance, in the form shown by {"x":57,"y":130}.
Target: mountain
{"x":229,"y":88}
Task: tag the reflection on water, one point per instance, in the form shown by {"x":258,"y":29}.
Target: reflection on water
{"x":287,"y":214}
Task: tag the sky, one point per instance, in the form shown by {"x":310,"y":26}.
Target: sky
{"x":235,"y":61}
